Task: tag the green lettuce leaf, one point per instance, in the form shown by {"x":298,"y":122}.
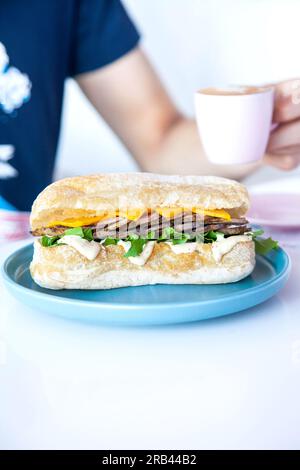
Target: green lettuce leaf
{"x":85,"y":233}
{"x":74,"y":231}
{"x":88,"y":234}
{"x":170,"y":234}
{"x":136,"y":248}
{"x":263,"y":245}
{"x":209,"y":237}
{"x":49,"y":241}
{"x":150,"y":235}
{"x":257,"y":233}
{"x":132,"y":236}
{"x":110,"y":241}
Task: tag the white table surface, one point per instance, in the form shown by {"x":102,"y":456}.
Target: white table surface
{"x":232,"y":382}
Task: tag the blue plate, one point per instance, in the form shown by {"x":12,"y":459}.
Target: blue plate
{"x":148,"y":305}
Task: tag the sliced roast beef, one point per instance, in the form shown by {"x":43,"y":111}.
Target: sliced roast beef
{"x":237,"y":230}
{"x":49,"y":231}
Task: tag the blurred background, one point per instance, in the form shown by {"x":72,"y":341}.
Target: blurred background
{"x":192,"y":43}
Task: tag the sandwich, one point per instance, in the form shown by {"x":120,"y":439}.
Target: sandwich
{"x":116,"y":230}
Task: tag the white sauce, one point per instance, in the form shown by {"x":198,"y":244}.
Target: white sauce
{"x":181,"y":248}
{"x":143,"y":257}
{"x":88,"y":249}
{"x":220,"y":248}
{"x":125,"y":245}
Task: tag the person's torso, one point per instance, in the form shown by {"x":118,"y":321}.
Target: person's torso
{"x":37,"y":36}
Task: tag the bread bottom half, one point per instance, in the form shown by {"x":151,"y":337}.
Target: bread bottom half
{"x":62,"y":267}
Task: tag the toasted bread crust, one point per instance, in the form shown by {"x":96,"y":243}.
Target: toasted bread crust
{"x":91,"y":195}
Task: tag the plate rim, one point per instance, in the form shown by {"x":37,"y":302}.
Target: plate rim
{"x":283,"y":274}
{"x":269,"y":223}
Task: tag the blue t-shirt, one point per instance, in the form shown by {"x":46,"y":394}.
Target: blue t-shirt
{"x":50,"y":40}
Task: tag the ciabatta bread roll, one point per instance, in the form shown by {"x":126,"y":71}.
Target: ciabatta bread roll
{"x":95,"y":231}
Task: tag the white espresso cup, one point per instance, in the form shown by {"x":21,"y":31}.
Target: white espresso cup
{"x":234,"y":122}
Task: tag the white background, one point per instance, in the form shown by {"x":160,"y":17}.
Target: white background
{"x":193,"y":43}
{"x":228,"y":383}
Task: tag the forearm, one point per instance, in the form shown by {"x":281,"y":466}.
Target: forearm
{"x":179,"y":151}
{"x":131,"y":99}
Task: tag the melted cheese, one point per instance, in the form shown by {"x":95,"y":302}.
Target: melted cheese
{"x":135,"y":214}
{"x":220,"y":248}
{"x":143,"y":257}
{"x":87,"y":249}
{"x":78,"y":222}
{"x":213,"y":213}
{"x":169,"y":212}
{"x":132,"y":214}
{"x":182,"y":248}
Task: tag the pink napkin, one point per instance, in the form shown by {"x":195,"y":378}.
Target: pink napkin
{"x":14,"y":225}
{"x":279,"y":216}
